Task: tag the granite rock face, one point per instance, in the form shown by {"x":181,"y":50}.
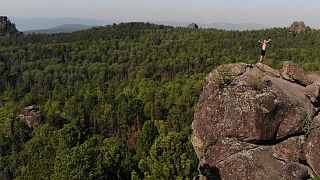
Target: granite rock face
{"x":29,"y":116}
{"x":312,"y":145}
{"x":298,"y":27}
{"x":292,"y":72}
{"x":251,"y":123}
{"x":193,"y":26}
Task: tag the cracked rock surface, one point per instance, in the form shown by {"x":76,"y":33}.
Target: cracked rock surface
{"x":253,"y":122}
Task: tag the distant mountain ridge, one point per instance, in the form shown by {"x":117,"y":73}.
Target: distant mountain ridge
{"x":65,"y":28}
{"x":27,"y":24}
{"x":241,"y":26}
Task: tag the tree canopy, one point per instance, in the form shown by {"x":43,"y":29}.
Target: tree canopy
{"x":117,"y":102}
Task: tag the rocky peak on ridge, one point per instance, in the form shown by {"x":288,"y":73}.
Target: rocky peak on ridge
{"x":299,"y":27}
{"x":6,"y":27}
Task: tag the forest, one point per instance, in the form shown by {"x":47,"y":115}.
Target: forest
{"x":117,"y":102}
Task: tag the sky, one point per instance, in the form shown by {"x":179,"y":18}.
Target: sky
{"x":269,"y":12}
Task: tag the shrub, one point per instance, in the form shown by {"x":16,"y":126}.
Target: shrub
{"x":256,"y":83}
{"x":306,"y":127}
{"x":222,"y":76}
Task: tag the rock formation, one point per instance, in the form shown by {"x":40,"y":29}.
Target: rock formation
{"x":6,"y":27}
{"x":253,"y":122}
{"x":298,"y":27}
{"x":29,"y":116}
{"x":193,"y":26}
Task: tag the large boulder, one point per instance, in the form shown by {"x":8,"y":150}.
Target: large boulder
{"x":193,"y":26}
{"x":312,"y":92}
{"x":292,"y":72}
{"x":234,"y":159}
{"x":312,"y":78}
{"x":249,"y":124}
{"x":268,"y":70}
{"x":298,"y":27}
{"x":29,"y":116}
{"x":312,"y":146}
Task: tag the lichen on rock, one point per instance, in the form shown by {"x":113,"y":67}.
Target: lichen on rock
{"x":249,"y":124}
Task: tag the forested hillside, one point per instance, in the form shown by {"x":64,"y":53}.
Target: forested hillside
{"x":117,"y":102}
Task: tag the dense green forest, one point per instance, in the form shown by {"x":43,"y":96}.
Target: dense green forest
{"x":117,"y":102}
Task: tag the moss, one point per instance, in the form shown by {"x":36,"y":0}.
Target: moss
{"x":315,"y":177}
{"x":222,"y":76}
{"x":256,"y":83}
{"x":306,"y":127}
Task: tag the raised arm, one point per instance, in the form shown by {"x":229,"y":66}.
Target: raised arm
{"x":269,"y":41}
{"x":260,"y":42}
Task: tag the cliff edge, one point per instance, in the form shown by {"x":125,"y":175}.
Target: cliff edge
{"x":254,"y":122}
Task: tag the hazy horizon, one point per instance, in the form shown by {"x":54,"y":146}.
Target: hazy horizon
{"x":26,"y":24}
{"x":274,"y":13}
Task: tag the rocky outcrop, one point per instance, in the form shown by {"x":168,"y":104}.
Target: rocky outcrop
{"x":312,"y":92}
{"x":298,"y":27}
{"x":193,"y":26}
{"x":312,"y":146}
{"x":29,"y":116}
{"x":251,"y":123}
{"x":294,"y":73}
{"x":6,"y":27}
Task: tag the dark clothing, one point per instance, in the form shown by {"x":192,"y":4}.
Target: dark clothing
{"x":263,"y":52}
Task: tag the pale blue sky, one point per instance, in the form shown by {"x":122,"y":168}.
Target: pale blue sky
{"x":268,"y":12}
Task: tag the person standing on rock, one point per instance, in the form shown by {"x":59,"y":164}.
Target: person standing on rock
{"x":263,"y":51}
